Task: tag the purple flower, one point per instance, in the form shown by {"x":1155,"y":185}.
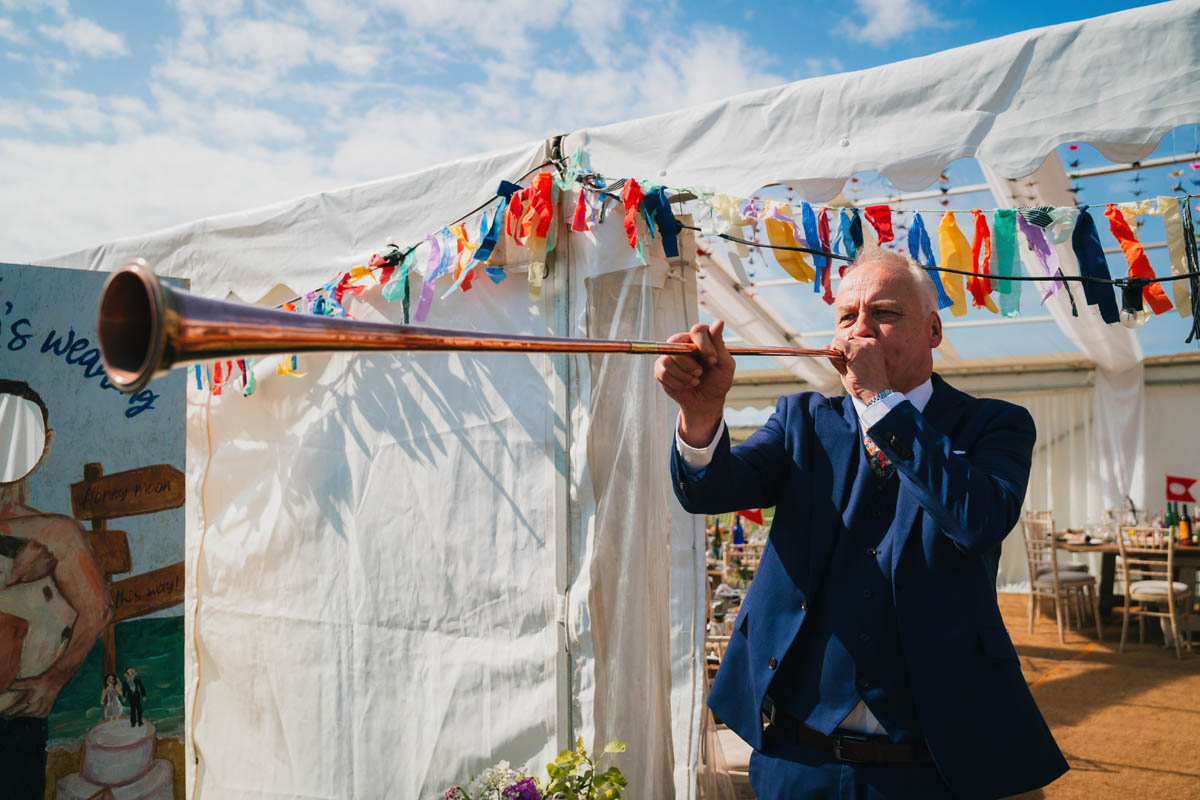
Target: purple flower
{"x":524,"y":789}
{"x":452,"y":793}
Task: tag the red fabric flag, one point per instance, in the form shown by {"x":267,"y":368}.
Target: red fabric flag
{"x":1180,"y":489}
{"x":827,"y":273}
{"x":579,"y":221}
{"x":754,"y":515}
{"x":632,"y":196}
{"x":542,"y":202}
{"x":1139,"y":265}
{"x":981,"y":287}
{"x":512,"y":216}
{"x":880,"y":218}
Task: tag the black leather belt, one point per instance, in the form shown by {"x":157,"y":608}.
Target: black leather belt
{"x":852,"y":748}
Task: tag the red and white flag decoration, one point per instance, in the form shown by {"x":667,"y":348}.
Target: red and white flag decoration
{"x":1180,"y":489}
{"x":754,"y":515}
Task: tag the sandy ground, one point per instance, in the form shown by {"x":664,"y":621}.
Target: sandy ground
{"x":1128,"y":723}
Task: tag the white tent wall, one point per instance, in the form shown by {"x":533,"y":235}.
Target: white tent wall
{"x":403,"y":569}
{"x":1064,"y":460}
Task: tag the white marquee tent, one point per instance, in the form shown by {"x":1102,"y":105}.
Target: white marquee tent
{"x":401,"y":568}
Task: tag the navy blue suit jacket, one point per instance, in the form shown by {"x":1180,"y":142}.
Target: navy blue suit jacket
{"x":963,"y":466}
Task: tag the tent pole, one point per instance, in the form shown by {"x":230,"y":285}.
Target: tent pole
{"x":560,"y":287}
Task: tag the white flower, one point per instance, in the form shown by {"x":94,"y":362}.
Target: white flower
{"x":489,"y":784}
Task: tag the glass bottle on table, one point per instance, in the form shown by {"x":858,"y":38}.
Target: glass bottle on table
{"x":1170,"y":520}
{"x":1185,"y":526}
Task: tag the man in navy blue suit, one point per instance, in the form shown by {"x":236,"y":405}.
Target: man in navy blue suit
{"x":869,"y":658}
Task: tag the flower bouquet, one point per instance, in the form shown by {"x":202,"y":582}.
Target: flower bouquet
{"x":571,"y":776}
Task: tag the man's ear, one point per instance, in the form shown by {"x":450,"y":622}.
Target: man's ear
{"x":935,"y":332}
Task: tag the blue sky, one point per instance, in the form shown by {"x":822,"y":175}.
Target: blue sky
{"x":121,"y":118}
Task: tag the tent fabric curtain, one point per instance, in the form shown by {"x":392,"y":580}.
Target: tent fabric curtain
{"x":370,"y":602}
{"x":1061,"y":476}
{"x":646,"y":564}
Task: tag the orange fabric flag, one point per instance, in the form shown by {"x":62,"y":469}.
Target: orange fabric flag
{"x":579,"y":223}
{"x":632,"y":196}
{"x":980,"y":288}
{"x":1139,"y":265}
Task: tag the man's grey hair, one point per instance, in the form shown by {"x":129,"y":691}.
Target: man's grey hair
{"x":873,"y":254}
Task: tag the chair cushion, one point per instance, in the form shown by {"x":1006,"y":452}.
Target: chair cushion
{"x":1066,"y":578}
{"x":1147,"y":590}
{"x":1045,"y":569}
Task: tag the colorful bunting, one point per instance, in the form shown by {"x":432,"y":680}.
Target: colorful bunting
{"x":981,"y":287}
{"x":880,"y":218}
{"x":956,"y":254}
{"x":1139,"y":265}
{"x":1085,"y":241}
{"x":1008,"y":260}
{"x":1168,"y":208}
{"x":920,"y":247}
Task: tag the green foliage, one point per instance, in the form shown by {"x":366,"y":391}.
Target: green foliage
{"x":573,"y":775}
{"x":740,"y":571}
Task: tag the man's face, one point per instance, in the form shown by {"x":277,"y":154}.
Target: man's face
{"x":882,"y":301}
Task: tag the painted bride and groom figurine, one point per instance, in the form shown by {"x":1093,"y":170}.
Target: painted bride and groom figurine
{"x":131,"y":689}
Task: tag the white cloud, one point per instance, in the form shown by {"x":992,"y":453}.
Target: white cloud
{"x":11,"y":33}
{"x":268,"y":45}
{"x":247,"y":105}
{"x":58,"y":6}
{"x":60,"y":198}
{"x":81,"y":35}
{"x":884,"y":20}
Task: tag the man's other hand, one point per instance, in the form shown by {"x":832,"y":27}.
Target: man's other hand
{"x":698,"y":382}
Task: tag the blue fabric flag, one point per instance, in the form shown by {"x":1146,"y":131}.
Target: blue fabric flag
{"x":658,"y":211}
{"x":1085,"y":241}
{"x":920,"y":247}
{"x":809,"y":221}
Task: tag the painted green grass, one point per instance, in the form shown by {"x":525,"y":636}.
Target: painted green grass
{"x":154,"y":647}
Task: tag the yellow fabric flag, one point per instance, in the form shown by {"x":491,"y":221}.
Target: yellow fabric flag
{"x":782,"y":234}
{"x":956,"y":254}
{"x":1168,"y":209}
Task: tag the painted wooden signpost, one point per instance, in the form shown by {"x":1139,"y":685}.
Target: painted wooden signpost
{"x":99,"y":498}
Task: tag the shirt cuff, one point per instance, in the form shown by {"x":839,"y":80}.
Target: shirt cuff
{"x":697,"y":457}
{"x":877,"y":411}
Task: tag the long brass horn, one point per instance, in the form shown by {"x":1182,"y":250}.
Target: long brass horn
{"x":146,"y":328}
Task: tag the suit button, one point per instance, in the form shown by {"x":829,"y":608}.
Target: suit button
{"x":682,"y":486}
{"x":772,"y":663}
{"x":867,"y":594}
{"x":803,"y":605}
{"x":864,"y":637}
{"x":870,"y":551}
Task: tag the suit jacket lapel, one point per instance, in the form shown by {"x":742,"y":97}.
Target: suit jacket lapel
{"x":837,"y":431}
{"x":942,"y":412}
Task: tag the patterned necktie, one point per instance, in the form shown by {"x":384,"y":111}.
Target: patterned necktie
{"x":880,"y":465}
